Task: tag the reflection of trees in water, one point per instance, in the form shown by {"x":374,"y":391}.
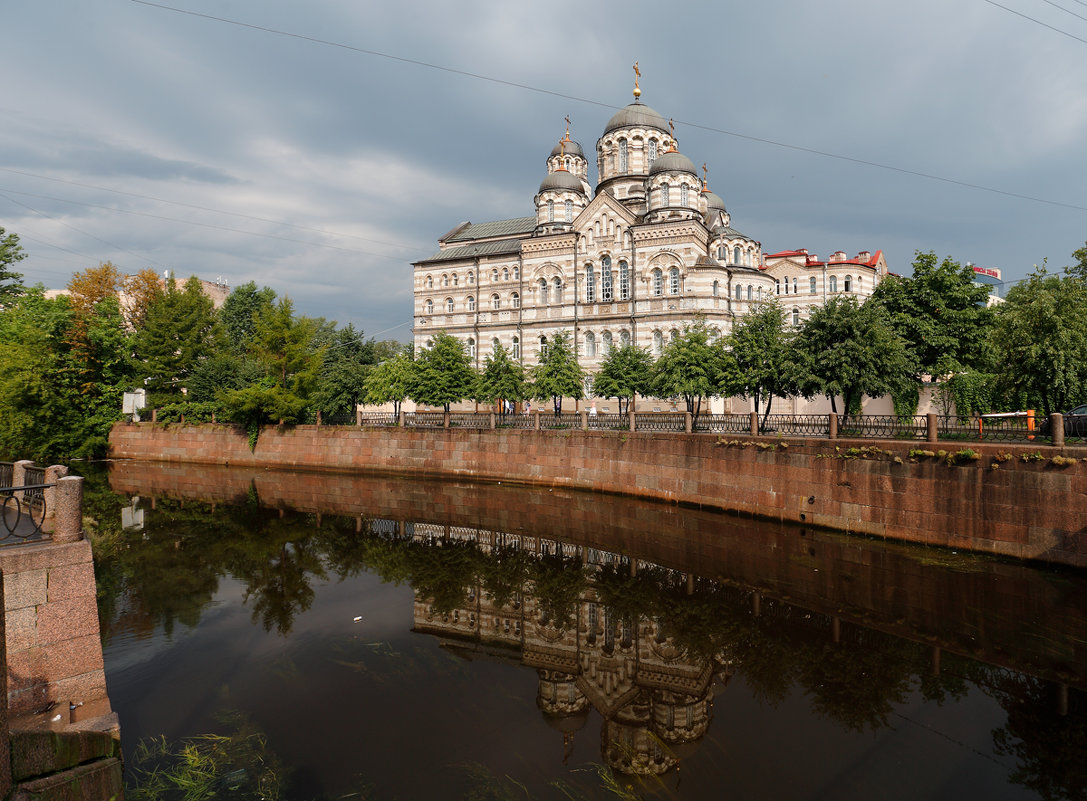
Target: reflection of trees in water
{"x":169,"y":571}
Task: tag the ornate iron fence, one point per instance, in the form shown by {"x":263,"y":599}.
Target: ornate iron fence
{"x":470,"y":420}
{"x":524,"y":421}
{"x":425,"y":419}
{"x":660,"y":421}
{"x":995,"y":429}
{"x":882,"y":426}
{"x":724,"y":423}
{"x":7,"y":473}
{"x":340,"y":419}
{"x":22,"y":510}
{"x":796,"y":425}
{"x":377,"y":419}
{"x":609,"y":422}
{"x":563,"y":420}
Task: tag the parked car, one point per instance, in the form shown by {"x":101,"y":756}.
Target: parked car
{"x":1075,"y":423}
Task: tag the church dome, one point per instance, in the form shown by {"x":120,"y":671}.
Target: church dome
{"x":672,"y":161}
{"x":562,"y":181}
{"x":637,"y":115}
{"x":713,"y":201}
{"x":572,"y":149}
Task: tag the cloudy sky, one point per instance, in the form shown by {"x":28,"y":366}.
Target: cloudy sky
{"x":319,"y":148}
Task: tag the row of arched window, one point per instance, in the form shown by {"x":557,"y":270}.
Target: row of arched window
{"x":739,"y":256}
{"x":787,"y":284}
{"x":514,"y":350}
{"x":568,"y":211}
{"x":514,"y":301}
{"x":452,"y":279}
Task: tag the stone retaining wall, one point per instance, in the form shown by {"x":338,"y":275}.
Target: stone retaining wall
{"x":1003,"y":499}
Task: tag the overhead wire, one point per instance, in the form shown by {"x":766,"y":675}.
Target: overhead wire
{"x":598,"y":103}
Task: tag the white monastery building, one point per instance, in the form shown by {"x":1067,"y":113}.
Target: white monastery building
{"x":632,"y":261}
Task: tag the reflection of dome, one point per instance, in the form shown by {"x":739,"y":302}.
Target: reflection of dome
{"x":636,"y":115}
{"x":673,"y":161}
{"x":572,"y":149}
{"x":561,"y":181}
{"x":568,"y":723}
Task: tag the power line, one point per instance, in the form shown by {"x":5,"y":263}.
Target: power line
{"x":203,"y":208}
{"x":1017,"y":13}
{"x":1065,"y":10}
{"x":589,"y":101}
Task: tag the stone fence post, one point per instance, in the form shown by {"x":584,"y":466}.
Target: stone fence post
{"x":536,"y":420}
{"x":69,"y":504}
{"x":402,"y":421}
{"x":18,"y":475}
{"x":1056,"y":429}
{"x":53,"y":473}
{"x":584,"y":420}
{"x":493,"y":425}
{"x":318,"y":418}
{"x":688,"y":422}
{"x":754,"y":424}
{"x":933,"y":427}
{"x":633,"y":422}
{"x":832,"y":426}
{"x":445,"y":419}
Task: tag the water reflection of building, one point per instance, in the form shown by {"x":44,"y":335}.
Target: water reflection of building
{"x":656,"y":700}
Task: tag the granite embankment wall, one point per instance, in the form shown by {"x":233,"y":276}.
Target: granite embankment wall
{"x":1010,"y":500}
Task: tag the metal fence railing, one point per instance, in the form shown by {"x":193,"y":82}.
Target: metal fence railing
{"x":469,"y":420}
{"x":724,"y":423}
{"x":660,"y":421}
{"x":563,"y":420}
{"x":377,"y":419}
{"x":882,"y":426}
{"x":7,"y":473}
{"x":796,"y":425}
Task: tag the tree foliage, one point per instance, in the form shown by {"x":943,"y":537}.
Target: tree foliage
{"x":443,"y":373}
{"x":390,"y":381}
{"x":766,"y":357}
{"x":557,"y":374}
{"x":11,"y":253}
{"x":502,"y":378}
{"x":851,"y":351}
{"x":1041,"y":338}
{"x":624,"y":373}
{"x":238,"y":314}
{"x":140,"y":291}
{"x":689,"y":368}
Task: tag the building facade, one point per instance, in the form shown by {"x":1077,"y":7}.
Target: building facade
{"x":631,"y":262}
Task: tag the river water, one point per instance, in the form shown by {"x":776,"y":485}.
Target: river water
{"x":320,"y":636}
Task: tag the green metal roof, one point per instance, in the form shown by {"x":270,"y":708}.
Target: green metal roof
{"x":486,"y":230}
{"x":495,"y":248}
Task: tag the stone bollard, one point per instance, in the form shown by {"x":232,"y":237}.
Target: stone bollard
{"x":833,"y":426}
{"x":154,"y":415}
{"x":584,"y":420}
{"x":445,"y":419}
{"x":493,"y":420}
{"x":402,"y":421}
{"x":68,"y":525}
{"x":358,"y":418}
{"x":933,"y":427}
{"x":633,"y":421}
{"x":18,"y":475}
{"x":688,"y":422}
{"x":754,"y":424}
{"x":53,"y":473}
{"x":536,"y":420}
{"x":318,"y":418}
{"x":1056,"y":429}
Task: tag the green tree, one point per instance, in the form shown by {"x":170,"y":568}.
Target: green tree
{"x":502,"y":378}
{"x":11,"y":252}
{"x":390,"y":381}
{"x":767,"y":360}
{"x":443,"y":373}
{"x":851,"y":350}
{"x":1041,"y":338}
{"x":1077,"y":270}
{"x":238,"y":314}
{"x":690,"y":368}
{"x":624,"y":373}
{"x":342,"y":382}
{"x":940,"y":313}
{"x":557,"y":374}
{"x":179,"y":333}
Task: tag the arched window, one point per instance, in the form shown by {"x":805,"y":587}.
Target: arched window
{"x":454,"y":279}
{"x":569,"y":211}
{"x":543,"y":291}
{"x":652,"y":150}
{"x":833,"y":281}
{"x":494,"y":345}
{"x":496,"y":302}
{"x":624,"y":338}
{"x":494,"y":274}
{"x":515,"y":300}
{"x":516,"y":273}
{"x":664,"y":195}
{"x":736,"y":255}
{"x":623,"y":160}
{"x":758,"y":294}
{"x":429,"y":306}
{"x":673,"y":335}
{"x":605,"y":280}
{"x":505,"y":273}
{"x":858,"y":283}
{"x":796,"y":317}
{"x":811,"y":285}
{"x":786,"y":286}
{"x":658,"y":281}
{"x":557,"y":283}
{"x":516,"y":348}
{"x":590,"y":284}
{"x":551,"y":211}
{"x":722,"y":253}
{"x":471,"y":348}
{"x":543,"y":347}
{"x":658,"y":343}
{"x":794,"y":285}
{"x":683,"y":195}
{"x":716,"y":288}
{"x":449,"y":305}
{"x":739,"y":292}
{"x":567,"y":164}
{"x":445,"y":280}
{"x":849,"y":283}
{"x":590,"y":345}
{"x":605,"y":341}
{"x":430,"y":282}
{"x":749,"y":292}
{"x":624,"y":281}
{"x":471,"y":303}
{"x":673,"y":281}
{"x":471,"y":278}
{"x":777,"y":287}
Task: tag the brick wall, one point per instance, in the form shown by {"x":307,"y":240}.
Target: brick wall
{"x":1004,"y":502}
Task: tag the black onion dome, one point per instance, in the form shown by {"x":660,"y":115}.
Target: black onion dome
{"x":636,"y":115}
{"x":562,"y":180}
